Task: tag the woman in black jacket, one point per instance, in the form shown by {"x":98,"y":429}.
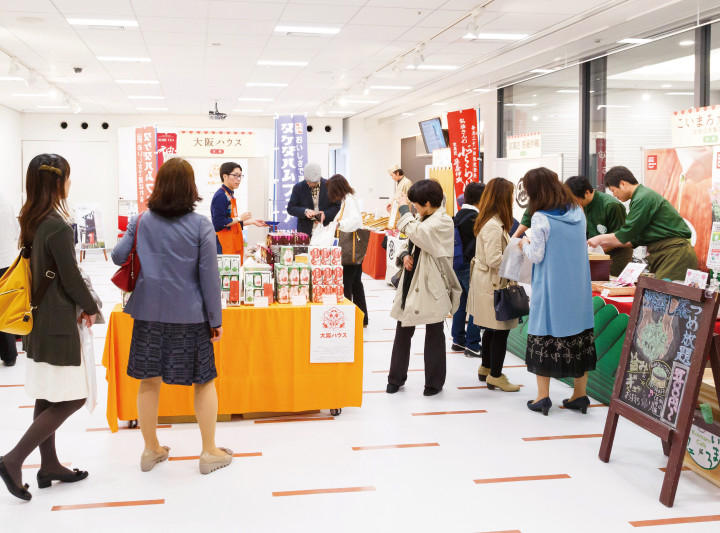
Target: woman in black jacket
{"x":55,"y":375}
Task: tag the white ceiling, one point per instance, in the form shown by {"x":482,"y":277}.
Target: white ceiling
{"x":203,"y":51}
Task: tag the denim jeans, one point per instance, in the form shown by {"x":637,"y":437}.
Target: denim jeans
{"x":471,"y":338}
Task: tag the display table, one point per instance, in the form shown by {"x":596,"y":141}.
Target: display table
{"x":374,"y":262}
{"x":263,"y":365}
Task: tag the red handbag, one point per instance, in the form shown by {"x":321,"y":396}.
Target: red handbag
{"x":126,"y":276}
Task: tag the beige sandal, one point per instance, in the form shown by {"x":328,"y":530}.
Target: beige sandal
{"x":149,"y":459}
{"x":209,"y":463}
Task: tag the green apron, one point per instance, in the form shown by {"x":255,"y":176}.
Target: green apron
{"x":670,"y":258}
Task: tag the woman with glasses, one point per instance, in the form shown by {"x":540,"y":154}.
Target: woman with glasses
{"x":223,"y":211}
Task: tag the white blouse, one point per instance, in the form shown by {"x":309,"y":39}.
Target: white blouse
{"x":351,"y":218}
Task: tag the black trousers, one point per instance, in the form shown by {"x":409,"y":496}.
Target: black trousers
{"x":435,"y":364}
{"x":8,"y":349}
{"x":354,"y":290}
{"x":494,"y":348}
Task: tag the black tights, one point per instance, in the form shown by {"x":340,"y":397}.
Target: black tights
{"x":47,"y":418}
{"x":494,"y":347}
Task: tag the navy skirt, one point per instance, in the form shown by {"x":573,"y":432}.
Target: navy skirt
{"x":181,"y":354}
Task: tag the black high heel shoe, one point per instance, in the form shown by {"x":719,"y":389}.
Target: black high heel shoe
{"x":45,"y":479}
{"x":579,"y":404}
{"x":18,"y":492}
{"x":543,"y":405}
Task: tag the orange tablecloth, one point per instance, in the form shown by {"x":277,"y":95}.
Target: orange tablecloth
{"x":263,"y":365}
{"x":375,"y":262}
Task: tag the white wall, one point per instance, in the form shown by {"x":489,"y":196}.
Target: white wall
{"x":11,"y":156}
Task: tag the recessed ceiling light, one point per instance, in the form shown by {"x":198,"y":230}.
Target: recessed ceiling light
{"x":481,"y":90}
{"x":408,"y":114}
{"x":52,"y":106}
{"x":495,"y":36}
{"x":151,"y":108}
{"x":535,"y":118}
{"x":680,"y":94}
{"x":634,"y":41}
{"x":440,"y":103}
{"x":103,"y":22}
{"x":126,"y":59}
{"x":139,"y":82}
{"x":363,"y":101}
{"x":247,"y":110}
{"x":307,"y":29}
{"x":391,"y":87}
{"x":686,"y":43}
{"x":266,"y":63}
{"x":666,"y":86}
{"x":32,"y":95}
{"x":431,"y":67}
{"x":251,"y":99}
{"x":568,"y":91}
{"x":140,"y":97}
{"x":10,"y":78}
{"x":645,"y":97}
{"x":542,"y":70}
{"x":262,"y":84}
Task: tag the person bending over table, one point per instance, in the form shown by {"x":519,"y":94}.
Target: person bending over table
{"x":604,"y":214}
{"x":310,"y":203}
{"x":652,"y":222}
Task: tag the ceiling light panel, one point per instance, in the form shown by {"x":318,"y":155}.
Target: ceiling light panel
{"x":265,"y":84}
{"x":312,"y":30}
{"x":138,"y":82}
{"x":124,"y":59}
{"x":280,"y":63}
{"x":124,"y":23}
{"x":488,"y":36}
{"x":390,"y":87}
{"x":634,"y":41}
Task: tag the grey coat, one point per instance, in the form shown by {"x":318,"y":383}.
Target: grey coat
{"x":179,"y":281}
{"x":54,"y":338}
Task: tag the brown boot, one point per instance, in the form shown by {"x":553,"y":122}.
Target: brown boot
{"x":501,"y":383}
{"x":483,"y":372}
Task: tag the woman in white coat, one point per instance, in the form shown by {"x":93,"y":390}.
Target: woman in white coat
{"x":348,"y":220}
{"x":493,"y":222}
{"x":428,"y":290}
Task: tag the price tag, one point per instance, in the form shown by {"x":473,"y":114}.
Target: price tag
{"x":605,"y":293}
{"x":299,"y":300}
{"x":330,"y":299}
{"x":261,"y":301}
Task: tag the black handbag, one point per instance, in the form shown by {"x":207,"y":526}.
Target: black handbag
{"x":510,"y":303}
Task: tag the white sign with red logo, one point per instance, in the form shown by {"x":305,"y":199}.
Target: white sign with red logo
{"x":332,"y":334}
{"x":652,"y":162}
{"x":215,"y":143}
{"x":523,"y":146}
{"x":696,"y":127}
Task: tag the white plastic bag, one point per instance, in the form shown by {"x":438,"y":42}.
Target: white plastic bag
{"x":324,"y":235}
{"x":515,"y":265}
{"x":88,"y":355}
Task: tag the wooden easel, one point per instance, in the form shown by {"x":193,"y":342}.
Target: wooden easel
{"x":674,"y":439}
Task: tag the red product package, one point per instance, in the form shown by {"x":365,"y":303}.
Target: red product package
{"x":338,"y":275}
{"x":234,"y":291}
{"x":267,"y":290}
{"x":318,"y":275}
{"x":317,"y":293}
{"x":328,"y":275}
{"x":336,"y":253}
{"x":326,"y":256}
{"x":340,"y":292}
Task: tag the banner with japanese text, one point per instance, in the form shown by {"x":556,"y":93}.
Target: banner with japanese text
{"x":524,"y":145}
{"x":332,"y":334}
{"x":145,"y":164}
{"x":215,"y":143}
{"x":696,"y":127}
{"x":462,"y":127}
{"x":166,"y":146}
{"x":291,"y":156}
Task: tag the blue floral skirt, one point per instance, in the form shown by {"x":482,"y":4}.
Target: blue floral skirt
{"x":561,"y":357}
{"x":181,"y":354}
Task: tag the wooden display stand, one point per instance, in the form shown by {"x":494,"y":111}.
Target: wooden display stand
{"x":670,"y":335}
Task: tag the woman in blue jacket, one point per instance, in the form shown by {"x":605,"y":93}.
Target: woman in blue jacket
{"x":560,"y":328}
{"x":177,"y":309}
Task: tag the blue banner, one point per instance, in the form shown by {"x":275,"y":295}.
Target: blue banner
{"x":290,"y":159}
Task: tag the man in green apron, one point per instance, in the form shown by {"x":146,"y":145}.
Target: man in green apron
{"x":652,"y":222}
{"x":604,"y":214}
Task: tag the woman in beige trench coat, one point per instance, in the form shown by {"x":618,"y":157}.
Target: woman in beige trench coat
{"x":491,"y":229}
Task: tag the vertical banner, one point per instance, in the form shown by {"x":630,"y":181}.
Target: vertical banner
{"x":462,"y":126}
{"x":713,"y":258}
{"x":166,"y":147}
{"x":145,"y":164}
{"x":290,"y":159}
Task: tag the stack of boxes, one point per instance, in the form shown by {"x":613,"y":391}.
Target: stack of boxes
{"x":278,"y":239}
{"x":258,"y":283}
{"x":291,"y":278}
{"x":229,"y":267}
{"x":326,"y":272}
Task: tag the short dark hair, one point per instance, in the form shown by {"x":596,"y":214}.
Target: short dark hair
{"x":338,"y":187}
{"x":399,"y":172}
{"x":473,"y":192}
{"x":615,"y":175}
{"x":175,"y":192}
{"x":579,"y":185}
{"x":545,"y":191}
{"x":424,"y":191}
{"x":227,"y":168}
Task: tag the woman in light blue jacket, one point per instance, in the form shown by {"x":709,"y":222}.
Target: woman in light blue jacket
{"x":560,"y":328}
{"x":177,"y":309}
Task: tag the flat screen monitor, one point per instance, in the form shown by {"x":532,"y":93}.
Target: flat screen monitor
{"x":432,"y":134}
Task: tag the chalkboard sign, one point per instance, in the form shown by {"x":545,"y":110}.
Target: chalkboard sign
{"x":654,"y":379}
{"x":668,"y":340}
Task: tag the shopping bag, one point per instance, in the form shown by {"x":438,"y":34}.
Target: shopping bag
{"x":515,"y":265}
{"x":88,"y":356}
{"x":324,"y":235}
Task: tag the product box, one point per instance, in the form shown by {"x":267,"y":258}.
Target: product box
{"x":234,"y":296}
{"x":317,"y":293}
{"x":338,"y":275}
{"x":282,"y":276}
{"x":294,"y":291}
{"x":287,"y":255}
{"x":328,"y":275}
{"x":340,"y":293}
{"x":336,"y":255}
{"x":315,"y":253}
{"x":268,"y":291}
{"x":283,"y":294}
{"x":304,"y":290}
{"x":256,"y":280}
{"x":249,"y":296}
{"x":226,"y":282}
{"x":294,"y":274}
{"x":317,"y":276}
{"x":227,"y":265}
{"x":302,"y":258}
{"x":235,"y":265}
{"x":304,"y":274}
{"x":327,"y":256}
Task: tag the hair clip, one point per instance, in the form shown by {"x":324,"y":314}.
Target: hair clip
{"x":51,"y":169}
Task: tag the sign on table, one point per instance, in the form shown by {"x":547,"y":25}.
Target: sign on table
{"x":332,"y":334}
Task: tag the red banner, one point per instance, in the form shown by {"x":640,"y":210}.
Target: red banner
{"x":166,"y":147}
{"x":462,"y":126}
{"x":145,"y":164}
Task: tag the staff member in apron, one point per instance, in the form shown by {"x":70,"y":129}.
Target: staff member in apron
{"x":604,"y":214}
{"x":224,"y":214}
{"x":652,"y":222}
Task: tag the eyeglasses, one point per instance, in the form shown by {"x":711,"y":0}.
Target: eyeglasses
{"x":239,"y":176}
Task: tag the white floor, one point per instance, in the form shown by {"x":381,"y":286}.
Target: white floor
{"x":428,"y":488}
